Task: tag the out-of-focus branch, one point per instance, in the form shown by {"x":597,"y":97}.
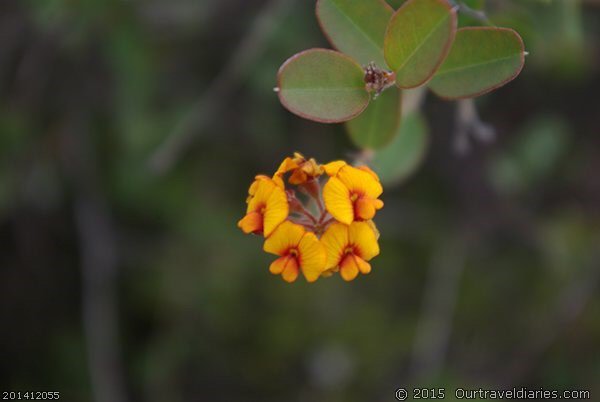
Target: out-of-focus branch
{"x":435,"y":323}
{"x":99,"y":266}
{"x":99,"y":263}
{"x":247,"y":52}
{"x":479,"y":15}
{"x":469,"y":124}
{"x":412,"y":100}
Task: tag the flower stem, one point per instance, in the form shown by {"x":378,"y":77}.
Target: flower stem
{"x":307,"y":213}
{"x":320,"y":205}
{"x":327,"y":222}
{"x":324,"y":215}
{"x":310,"y":227}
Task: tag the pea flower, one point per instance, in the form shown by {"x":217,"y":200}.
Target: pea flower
{"x":316,"y":230}
{"x":351,"y":194}
{"x":301,"y":168}
{"x":267,"y":207}
{"x":298,"y":249}
{"x":349,"y":247}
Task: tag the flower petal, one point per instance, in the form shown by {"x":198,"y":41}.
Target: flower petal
{"x":252,"y":190}
{"x":298,"y":177}
{"x":363,"y":266}
{"x":370,"y":171}
{"x":290,"y":273}
{"x":337,"y":200}
{"x":362,"y":236}
{"x":335,"y":240}
{"x":278,"y":266}
{"x":312,"y":257}
{"x":276,"y":210}
{"x":359,"y":181}
{"x":287,"y":165}
{"x":312,"y":168}
{"x":286,"y":236}
{"x":372,"y":226}
{"x":364,"y":208}
{"x":328,"y":273}
{"x":332,"y":168}
{"x":278,"y":181}
{"x":348,"y":268}
{"x":254,"y":185}
{"x":262,"y":188}
{"x":251,"y":223}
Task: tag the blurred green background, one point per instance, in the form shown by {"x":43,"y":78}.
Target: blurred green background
{"x":129,"y":133}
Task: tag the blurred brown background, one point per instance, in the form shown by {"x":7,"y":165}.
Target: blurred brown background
{"x":129,"y":132}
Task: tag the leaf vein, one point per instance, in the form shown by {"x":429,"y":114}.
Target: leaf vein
{"x":433,"y":30}
{"x":359,"y":28}
{"x":470,"y":66}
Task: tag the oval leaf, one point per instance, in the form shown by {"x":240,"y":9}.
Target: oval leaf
{"x":403,"y":156}
{"x":418,"y":39}
{"x":322,"y":85}
{"x":356,"y":28}
{"x":378,"y":125}
{"x":481,"y":60}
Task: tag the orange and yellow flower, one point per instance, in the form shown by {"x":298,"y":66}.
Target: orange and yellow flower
{"x":298,"y":250}
{"x":351,"y":194}
{"x":292,"y":226}
{"x":301,"y":169}
{"x":349,"y":247}
{"x":267,"y":207}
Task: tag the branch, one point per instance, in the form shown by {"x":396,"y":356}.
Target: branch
{"x":100,"y":317}
{"x":412,"y":100}
{"x":435,"y":323}
{"x":469,"y":124}
{"x":479,"y":15}
{"x":99,"y":263}
{"x":206,"y":107}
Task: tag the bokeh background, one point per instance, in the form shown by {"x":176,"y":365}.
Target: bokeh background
{"x":129,"y":133}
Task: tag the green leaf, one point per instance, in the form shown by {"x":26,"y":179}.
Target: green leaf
{"x":396,"y":3}
{"x":418,"y":39}
{"x":378,"y":125}
{"x":405,"y":153}
{"x":322,"y":85}
{"x":356,"y":28}
{"x":481,"y":60}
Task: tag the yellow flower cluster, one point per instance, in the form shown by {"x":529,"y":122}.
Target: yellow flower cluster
{"x":313,"y":229}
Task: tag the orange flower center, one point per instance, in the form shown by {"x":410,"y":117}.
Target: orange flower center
{"x":293,"y":252}
{"x":261,"y":209}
